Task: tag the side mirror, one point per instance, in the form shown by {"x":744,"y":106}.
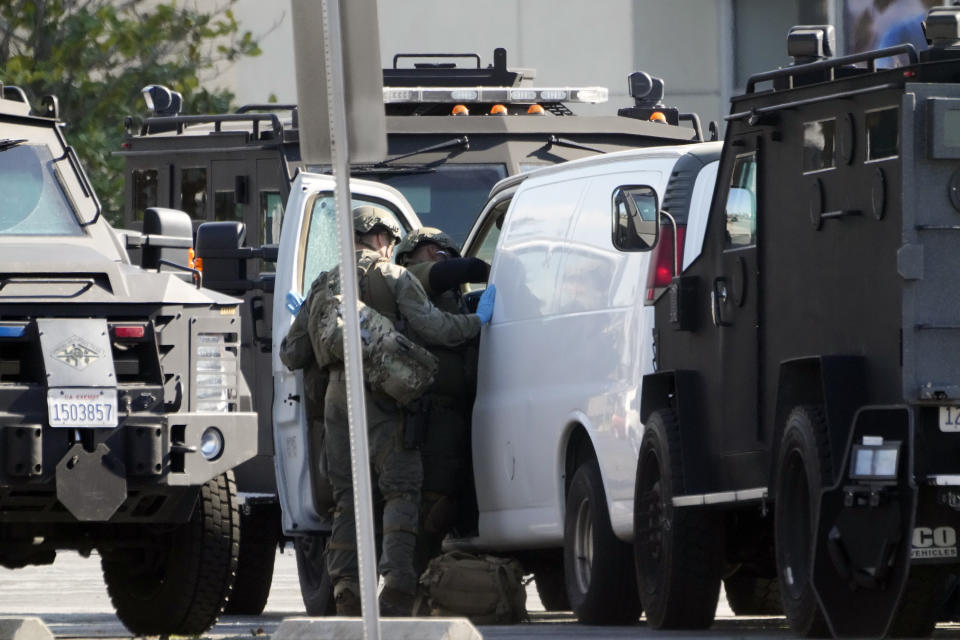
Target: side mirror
{"x":219,"y":247}
{"x":636,"y":218}
{"x":167,"y":235}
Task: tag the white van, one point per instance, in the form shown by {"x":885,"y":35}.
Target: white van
{"x":556,"y":428}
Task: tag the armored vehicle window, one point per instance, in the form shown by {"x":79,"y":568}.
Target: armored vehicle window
{"x":449,"y":196}
{"x":883,"y":133}
{"x":225,"y":205}
{"x":271,"y":213}
{"x":193,"y":192}
{"x":742,"y":202}
{"x":33,"y":201}
{"x":144,"y":191}
{"x":819,"y":145}
{"x":321,"y":253}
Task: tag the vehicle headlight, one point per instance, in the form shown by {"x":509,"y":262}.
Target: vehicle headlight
{"x":875,"y":459}
{"x":211,"y":443}
{"x":216,"y":374}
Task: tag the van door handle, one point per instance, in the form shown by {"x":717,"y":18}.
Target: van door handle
{"x":718,"y":296}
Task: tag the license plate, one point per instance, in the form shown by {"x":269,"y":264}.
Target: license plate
{"x":80,"y":407}
{"x":950,"y":419}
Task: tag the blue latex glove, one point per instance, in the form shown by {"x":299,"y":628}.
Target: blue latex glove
{"x":294,"y":301}
{"x":485,"y":305}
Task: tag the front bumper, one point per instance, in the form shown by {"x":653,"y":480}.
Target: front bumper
{"x":97,"y":474}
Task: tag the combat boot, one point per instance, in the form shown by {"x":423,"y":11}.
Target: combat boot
{"x":395,"y":603}
{"x":348,"y":605}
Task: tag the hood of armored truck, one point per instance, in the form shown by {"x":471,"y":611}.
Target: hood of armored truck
{"x":73,"y":273}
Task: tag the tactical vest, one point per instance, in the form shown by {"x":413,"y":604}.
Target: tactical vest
{"x":374,"y":291}
{"x":393,"y":364}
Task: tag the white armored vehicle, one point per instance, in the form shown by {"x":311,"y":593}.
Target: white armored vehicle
{"x":122,"y":406}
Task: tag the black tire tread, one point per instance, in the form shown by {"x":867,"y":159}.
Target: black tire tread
{"x":552,"y":588}
{"x":198,"y":575}
{"x":612,"y":598}
{"x":316,"y":588}
{"x":693,"y":588}
{"x":750,"y":595}
{"x":816,"y":625}
{"x":259,"y":533}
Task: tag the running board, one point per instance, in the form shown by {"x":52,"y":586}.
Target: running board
{"x":722,"y":497}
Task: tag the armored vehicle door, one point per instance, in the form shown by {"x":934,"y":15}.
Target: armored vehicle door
{"x":309,"y":246}
{"x":733,"y":298}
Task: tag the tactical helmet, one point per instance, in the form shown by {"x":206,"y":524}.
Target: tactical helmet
{"x":424,"y":234}
{"x":368,"y":218}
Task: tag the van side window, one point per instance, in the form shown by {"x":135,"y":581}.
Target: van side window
{"x":486,"y":242}
{"x":742,"y":202}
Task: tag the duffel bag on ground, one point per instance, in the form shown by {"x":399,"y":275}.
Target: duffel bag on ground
{"x":485,"y":589}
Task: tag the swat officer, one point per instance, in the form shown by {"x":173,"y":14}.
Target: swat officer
{"x":432,"y":257}
{"x":393,"y":292}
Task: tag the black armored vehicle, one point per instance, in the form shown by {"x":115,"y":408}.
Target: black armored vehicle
{"x":803,"y":419}
{"x":122,"y":406}
{"x":453,"y":131}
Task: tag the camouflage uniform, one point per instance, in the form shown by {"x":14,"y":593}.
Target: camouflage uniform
{"x":395,"y":293}
{"x":446,"y":449}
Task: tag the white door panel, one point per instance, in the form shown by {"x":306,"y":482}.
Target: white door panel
{"x":307,"y":245}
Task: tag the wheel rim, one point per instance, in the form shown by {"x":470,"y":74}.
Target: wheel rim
{"x":796,"y":525}
{"x":583,"y":545}
{"x":650,"y":531}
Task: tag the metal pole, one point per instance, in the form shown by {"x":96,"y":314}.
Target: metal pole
{"x":356,"y":409}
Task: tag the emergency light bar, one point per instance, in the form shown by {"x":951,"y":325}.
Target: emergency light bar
{"x":400,"y":95}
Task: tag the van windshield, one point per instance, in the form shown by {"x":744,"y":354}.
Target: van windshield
{"x":33,"y":202}
{"x":449,"y":196}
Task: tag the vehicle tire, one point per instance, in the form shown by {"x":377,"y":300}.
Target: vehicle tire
{"x":803,"y":469}
{"x":259,"y":534}
{"x":179,"y":582}
{"x":552,"y":588}
{"x":921,"y":603}
{"x":678,"y":552}
{"x":316,"y":588}
{"x":600,"y":587}
{"x":751,"y":595}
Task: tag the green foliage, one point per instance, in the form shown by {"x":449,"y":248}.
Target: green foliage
{"x":96,"y":56}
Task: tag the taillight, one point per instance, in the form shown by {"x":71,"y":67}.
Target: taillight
{"x":128,"y":331}
{"x":662,"y":265}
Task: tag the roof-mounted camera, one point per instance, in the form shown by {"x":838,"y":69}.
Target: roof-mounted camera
{"x":647,"y":94}
{"x":809,"y":43}
{"x":161,"y":100}
{"x":942,"y":27}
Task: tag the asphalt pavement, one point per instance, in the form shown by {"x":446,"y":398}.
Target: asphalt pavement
{"x":69,"y":596}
